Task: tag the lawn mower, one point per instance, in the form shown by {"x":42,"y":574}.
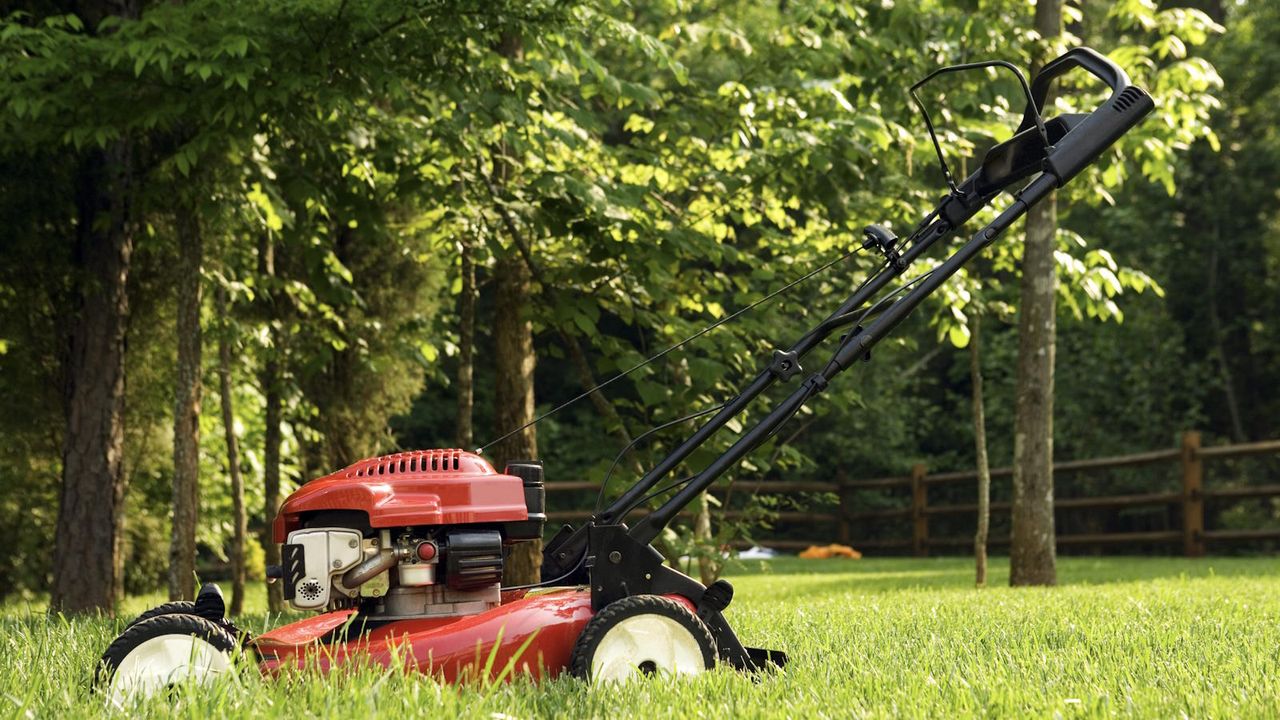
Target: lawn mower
{"x":402,"y":555}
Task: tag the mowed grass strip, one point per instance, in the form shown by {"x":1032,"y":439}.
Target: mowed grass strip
{"x":1137,"y":637}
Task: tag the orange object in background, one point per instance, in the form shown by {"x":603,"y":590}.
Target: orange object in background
{"x":822,"y":552}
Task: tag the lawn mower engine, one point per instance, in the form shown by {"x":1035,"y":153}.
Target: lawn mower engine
{"x":412,"y":535}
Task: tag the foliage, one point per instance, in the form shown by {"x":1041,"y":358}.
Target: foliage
{"x":660,"y":166}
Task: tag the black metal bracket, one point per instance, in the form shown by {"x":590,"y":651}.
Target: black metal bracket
{"x":621,"y":566}
{"x":883,"y":239}
{"x":857,"y":330}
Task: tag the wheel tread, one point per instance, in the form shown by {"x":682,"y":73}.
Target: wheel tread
{"x":188,"y":607}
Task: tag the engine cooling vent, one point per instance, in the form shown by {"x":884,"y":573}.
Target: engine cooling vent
{"x":310,"y":590}
{"x":1127,"y":98}
{"x":409,"y":462}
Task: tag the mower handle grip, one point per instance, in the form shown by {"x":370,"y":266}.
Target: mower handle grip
{"x":1098,"y":130}
{"x":1098,"y":65}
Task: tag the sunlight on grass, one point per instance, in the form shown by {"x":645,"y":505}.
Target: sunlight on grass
{"x":1139,"y":637}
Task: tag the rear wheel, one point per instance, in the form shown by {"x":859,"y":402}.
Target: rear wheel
{"x":208,"y":605}
{"x":177,"y":607}
{"x":161,"y":652}
{"x":639,"y":636}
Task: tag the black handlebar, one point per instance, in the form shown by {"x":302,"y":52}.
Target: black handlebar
{"x":1097,"y":64}
{"x":1098,"y":130}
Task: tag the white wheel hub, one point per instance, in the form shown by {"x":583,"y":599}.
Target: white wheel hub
{"x":164,"y":661}
{"x":646,"y":644}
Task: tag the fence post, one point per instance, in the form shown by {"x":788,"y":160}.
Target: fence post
{"x":842,"y":512}
{"x":919,"y":521}
{"x":1192,"y":495}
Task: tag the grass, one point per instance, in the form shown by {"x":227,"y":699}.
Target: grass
{"x":1139,"y":637}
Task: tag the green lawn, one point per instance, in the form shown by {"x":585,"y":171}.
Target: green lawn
{"x":1144,"y":637}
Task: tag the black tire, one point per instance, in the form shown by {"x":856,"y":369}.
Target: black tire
{"x":171,"y":624}
{"x":186,"y":607}
{"x":583,"y":657}
{"x":176,"y":607}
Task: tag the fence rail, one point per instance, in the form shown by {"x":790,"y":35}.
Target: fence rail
{"x":1192,"y":535}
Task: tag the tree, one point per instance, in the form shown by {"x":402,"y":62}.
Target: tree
{"x":93,"y":484}
{"x":239,"y":518}
{"x":1033,"y":545}
{"x":980,"y":451}
{"x":272,"y":385}
{"x":186,"y":411}
{"x":514,"y":362}
{"x":464,"y":385}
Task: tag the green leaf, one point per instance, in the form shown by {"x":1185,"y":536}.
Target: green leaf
{"x":585,"y":325}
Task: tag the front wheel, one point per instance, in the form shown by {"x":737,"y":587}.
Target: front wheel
{"x":162,"y":652}
{"x":639,"y":636}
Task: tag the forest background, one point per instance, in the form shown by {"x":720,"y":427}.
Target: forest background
{"x":245,"y":246}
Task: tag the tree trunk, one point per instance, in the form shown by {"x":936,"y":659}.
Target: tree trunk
{"x":466,"y":347}
{"x":1032,"y":553}
{"x":85,"y":571}
{"x":270,"y":380}
{"x":346,"y":439}
{"x":186,"y":410}
{"x":980,"y":448}
{"x":513,"y":397}
{"x":576,"y":355}
{"x":514,"y":360}
{"x":271,"y":475}
{"x":708,"y":564}
{"x":1238,"y":434}
{"x":240,"y":521}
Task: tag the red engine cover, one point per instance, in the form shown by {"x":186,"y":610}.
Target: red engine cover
{"x":421,"y":487}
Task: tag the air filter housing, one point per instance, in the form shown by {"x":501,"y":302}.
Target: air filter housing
{"x":473,"y":559}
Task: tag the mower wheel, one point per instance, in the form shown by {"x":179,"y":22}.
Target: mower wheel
{"x":176,"y":607}
{"x":213,"y":613}
{"x":639,"y":636}
{"x":161,"y":652}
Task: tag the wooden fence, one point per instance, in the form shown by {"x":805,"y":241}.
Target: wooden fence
{"x":1193,"y":536}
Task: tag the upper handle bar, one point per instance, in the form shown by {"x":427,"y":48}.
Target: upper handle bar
{"x":1097,"y":64}
{"x":1098,"y":130}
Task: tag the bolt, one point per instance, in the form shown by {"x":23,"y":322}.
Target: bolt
{"x":615,"y":557}
{"x":648,"y":576}
{"x":337,"y":563}
{"x":351,"y":543}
